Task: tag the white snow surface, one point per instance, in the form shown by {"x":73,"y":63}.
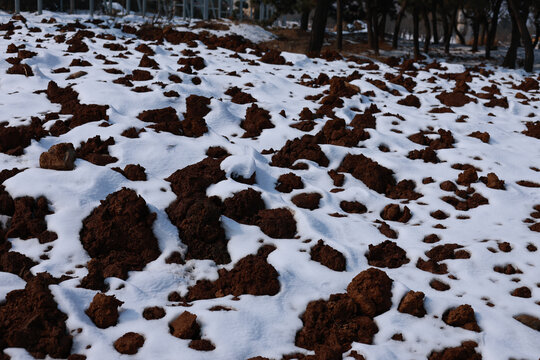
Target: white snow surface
{"x":266,"y":325}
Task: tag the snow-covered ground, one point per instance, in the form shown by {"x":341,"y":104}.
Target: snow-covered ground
{"x":267,"y":325}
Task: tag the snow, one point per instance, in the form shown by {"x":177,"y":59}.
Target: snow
{"x":266,"y":325}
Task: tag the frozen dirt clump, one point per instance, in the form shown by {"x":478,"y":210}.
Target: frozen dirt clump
{"x":463,"y":317}
{"x":243,"y":206}
{"x":533,"y":129}
{"x":129,"y":343}
{"x":133,"y":172}
{"x":393,"y":212}
{"x":257,"y":119}
{"x":386,"y":254}
{"x":103,"y":310}
{"x":195,"y":178}
{"x":288,"y":182}
{"x":299,"y":148}
{"x":463,"y":352}
{"x":372,"y":291}
{"x":28,"y":220}
{"x":328,"y":256}
{"x":196,"y":109}
{"x":30,"y":319}
{"x":58,"y":157}
{"x":185,"y":326}
{"x":96,"y":151}
{"x":164,"y":119}
{"x":13,"y":139}
{"x":308,"y":201}
{"x":277,"y":223}
{"x":250,"y":275}
{"x":413,"y":303}
{"x":118,"y":236}
{"x":375,"y":176}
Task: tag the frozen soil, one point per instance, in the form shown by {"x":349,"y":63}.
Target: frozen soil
{"x":185,"y":190}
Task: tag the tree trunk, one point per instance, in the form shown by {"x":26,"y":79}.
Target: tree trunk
{"x":304,"y":20}
{"x":369,"y":21}
{"x":476,"y":33}
{"x":434,"y":22}
{"x":493,"y":28}
{"x":451,"y":27}
{"x":375,"y":23}
{"x":511,"y":53}
{"x":339,"y":25}
{"x":521,"y":20}
{"x":427,"y":27}
{"x":382,"y":26}
{"x":318,"y":27}
{"x":415,"y":32}
{"x":483,"y":32}
{"x":446,"y":32}
{"x":459,"y":35}
{"x":397,"y":25}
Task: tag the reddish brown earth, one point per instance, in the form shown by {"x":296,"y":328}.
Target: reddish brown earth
{"x":129,"y":343}
{"x":132,"y":172}
{"x":464,"y":352}
{"x":250,"y":275}
{"x":299,"y":148}
{"x":393,"y":212}
{"x":118,"y":236}
{"x":96,"y":151}
{"x":58,"y":157}
{"x":185,"y":326}
{"x":244,"y":206}
{"x":240,"y":97}
{"x":328,"y":256}
{"x":30,"y":319}
{"x":257,"y":119}
{"x":13,"y":139}
{"x":164,"y":119}
{"x":277,"y":223}
{"x":28,"y":218}
{"x":196,"y":109}
{"x":386,"y":254}
{"x":103,"y":310}
{"x":462,"y":316}
{"x":352,"y":207}
{"x":308,"y":201}
{"x":153,"y":313}
{"x":288,"y":182}
{"x":413,"y":303}
{"x":273,"y":57}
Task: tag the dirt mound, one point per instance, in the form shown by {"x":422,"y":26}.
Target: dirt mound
{"x":372,"y":291}
{"x":185,"y":326}
{"x":132,"y":172}
{"x":529,"y":320}
{"x":129,"y":343}
{"x":328,"y":256}
{"x":273,"y":57}
{"x":464,"y":352}
{"x":103,"y":310}
{"x":335,"y":132}
{"x":13,"y":139}
{"x":410,"y":100}
{"x":195,"y":178}
{"x":58,"y":157}
{"x":277,"y":223}
{"x":373,"y":175}
{"x":413,"y":303}
{"x":201,"y":345}
{"x":153,"y":313}
{"x":20,"y":69}
{"x":308,"y":201}
{"x":468,"y":202}
{"x":96,"y":151}
{"x":533,"y":129}
{"x":15,"y":263}
{"x":467,"y":177}
{"x":462,"y":316}
{"x":31,"y":320}
{"x":386,"y":254}
{"x":523,"y":292}
{"x":299,"y":148}
{"x":340,"y":87}
{"x":393,"y":212}
{"x":118,"y":236}
{"x":257,"y":119}
{"x":28,"y":220}
{"x":196,"y":109}
{"x":239,"y":97}
{"x":164,"y":119}
{"x":250,"y":275}
{"x":244,"y":206}
{"x":482,"y":136}
{"x":148,"y":62}
{"x":9,"y":173}
{"x":455,"y":99}
{"x":427,"y":155}
{"x":288,"y":182}
{"x":492,"y":181}
{"x":352,"y":207}
{"x":145,"y":49}
{"x":527,"y":85}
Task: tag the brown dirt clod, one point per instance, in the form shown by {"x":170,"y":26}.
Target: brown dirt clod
{"x":103,"y":310}
{"x":328,"y":256}
{"x":185,"y":326}
{"x":372,"y":291}
{"x":386,"y":254}
{"x":413,"y":303}
{"x":462,"y":316}
{"x":129,"y":343}
{"x":58,"y":157}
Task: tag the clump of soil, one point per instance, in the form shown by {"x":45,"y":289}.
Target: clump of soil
{"x":352,"y":207}
{"x":273,"y":57}
{"x":329,"y":327}
{"x":31,"y":320}
{"x":257,"y":119}
{"x":393,"y":212}
{"x":148,"y":62}
{"x":132,"y":172}
{"x":467,"y":177}
{"x":201,"y":345}
{"x":14,"y":262}
{"x":455,"y":98}
{"x":533,"y":129}
{"x":58,"y":157}
{"x":528,"y":320}
{"x":527,"y":85}
{"x":153,"y":313}
{"x":103,"y":310}
{"x":96,"y":151}
{"x":492,"y":181}
{"x":20,"y":69}
{"x":328,"y":256}
{"x":462,"y":316}
{"x":482,"y":136}
{"x":240,"y":97}
{"x":335,"y":132}
{"x":386,"y":254}
{"x":164,"y":119}
{"x":468,"y":202}
{"x":277,"y":223}
{"x":410,"y":100}
{"x":523,"y":292}
{"x":413,"y":303}
{"x":299,"y":148}
{"x":185,"y":326}
{"x":465,"y":351}
{"x":244,"y":206}
{"x":129,"y":343}
{"x":250,"y":275}
{"x":196,"y":109}
{"x":308,"y":201}
{"x":288,"y":182}
{"x":27,"y":218}
{"x":118,"y":236}
{"x":13,"y":139}
{"x":194,"y":179}
{"x":439,"y":285}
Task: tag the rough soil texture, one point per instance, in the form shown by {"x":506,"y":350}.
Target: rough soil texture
{"x":328,"y":256}
{"x":462,"y":316}
{"x":118,"y":236}
{"x":58,"y":157}
{"x":30,"y":319}
{"x":308,"y":201}
{"x":289,"y":182}
{"x":129,"y":343}
{"x":13,"y":139}
{"x":464,"y":352}
{"x":185,"y":326}
{"x":277,"y":223}
{"x":250,"y":275}
{"x":372,"y":291}
{"x":28,"y":219}
{"x":257,"y":119}
{"x":386,"y":254}
{"x":133,"y":172}
{"x":196,"y":109}
{"x":164,"y":119}
{"x":352,"y":207}
{"x":244,"y":206}
{"x":153,"y":313}
{"x":96,"y":151}
{"x":413,"y":303}
{"x":299,"y":148}
{"x":393,"y":212}
{"x":103,"y":310}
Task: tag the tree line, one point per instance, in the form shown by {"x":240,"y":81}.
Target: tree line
{"x":482,"y":16}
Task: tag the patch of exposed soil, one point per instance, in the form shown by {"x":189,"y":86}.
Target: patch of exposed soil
{"x":96,"y":151}
{"x":257,"y":119}
{"x":386,"y":254}
{"x":328,"y":256}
